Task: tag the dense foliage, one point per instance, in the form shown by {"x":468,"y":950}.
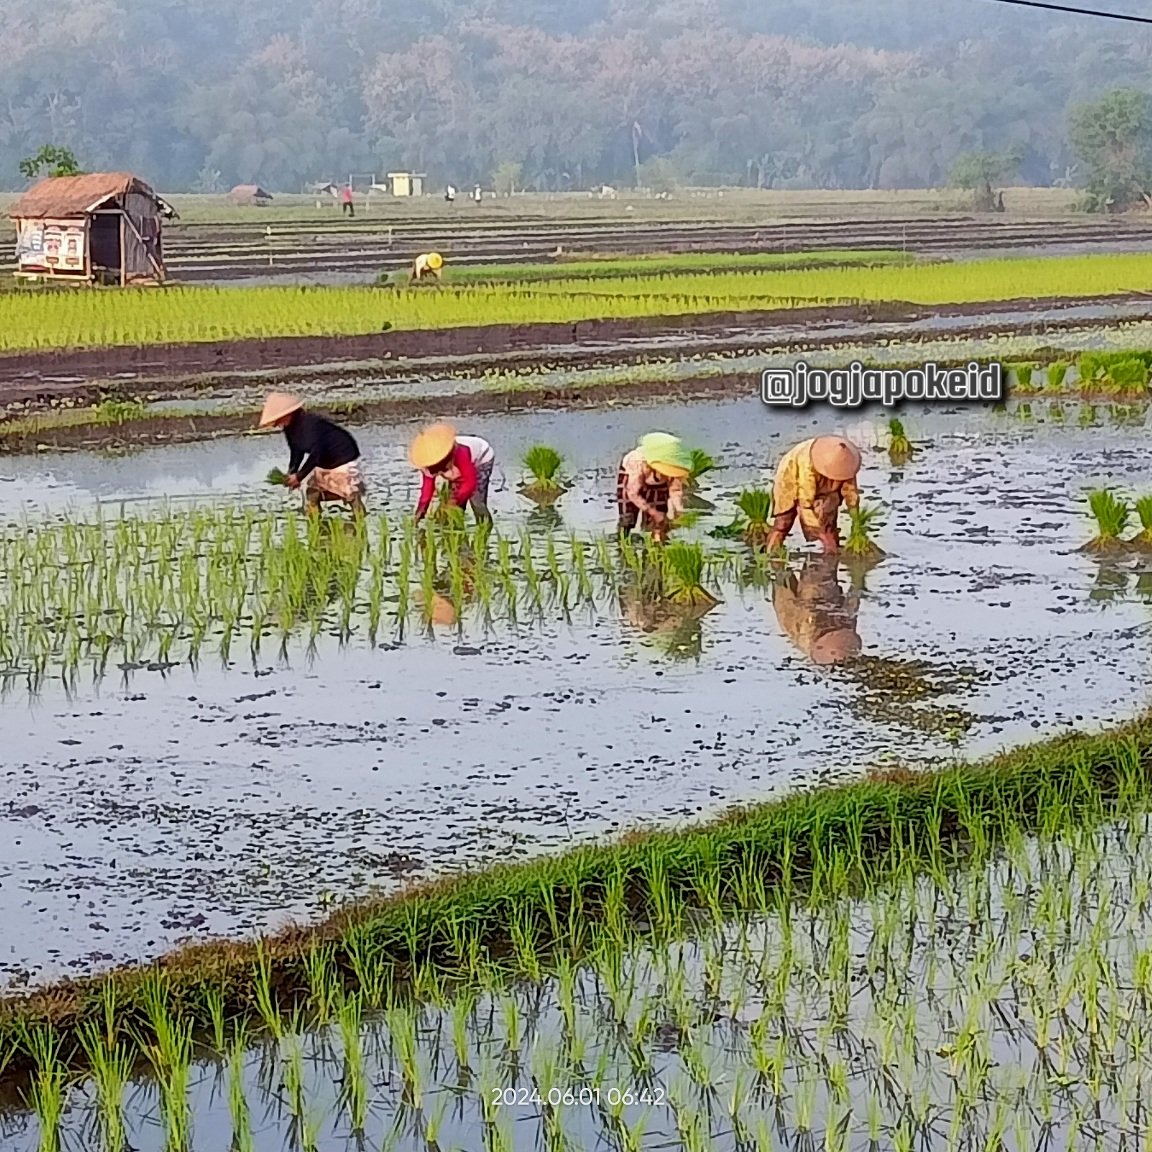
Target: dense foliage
{"x":206,"y":93}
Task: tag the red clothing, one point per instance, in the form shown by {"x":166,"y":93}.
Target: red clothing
{"x":462,"y":489}
{"x":346,"y":195}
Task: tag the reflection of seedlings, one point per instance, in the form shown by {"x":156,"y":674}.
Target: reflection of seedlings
{"x":544,"y":518}
{"x":1144,"y":586}
{"x":863,"y":521}
{"x":686,"y":640}
{"x":1056,"y":412}
{"x":1088,"y":417}
{"x":899,"y":446}
{"x":684,"y":565}
{"x":1024,"y":411}
{"x":1111,"y":515}
{"x":543,"y":464}
{"x":756,"y":504}
{"x":1109,"y":584}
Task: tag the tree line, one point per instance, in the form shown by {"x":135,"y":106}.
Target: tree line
{"x":540,"y":94}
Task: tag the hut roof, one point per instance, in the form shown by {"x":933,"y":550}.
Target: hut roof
{"x":251,"y":191}
{"x":75,"y":195}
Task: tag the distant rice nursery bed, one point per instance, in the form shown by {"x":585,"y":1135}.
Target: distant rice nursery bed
{"x":48,"y":320}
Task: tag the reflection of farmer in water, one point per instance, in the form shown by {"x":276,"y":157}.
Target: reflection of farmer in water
{"x":812,"y":480}
{"x":816,"y":615}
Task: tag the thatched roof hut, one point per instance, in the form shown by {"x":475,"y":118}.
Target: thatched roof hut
{"x":250,"y":194}
{"x":103,"y":226}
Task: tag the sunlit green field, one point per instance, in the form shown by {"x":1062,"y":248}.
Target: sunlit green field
{"x":35,"y":320}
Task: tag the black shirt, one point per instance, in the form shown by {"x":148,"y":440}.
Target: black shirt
{"x":326,"y":445}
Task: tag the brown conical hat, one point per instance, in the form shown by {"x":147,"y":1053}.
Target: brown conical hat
{"x":432,"y":445}
{"x":835,"y":647}
{"x":279,"y":405}
{"x":835,"y":457}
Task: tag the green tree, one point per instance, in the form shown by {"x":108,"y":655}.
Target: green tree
{"x":506,"y":178}
{"x":1112,"y":137}
{"x":58,"y":162}
{"x":979,"y":171}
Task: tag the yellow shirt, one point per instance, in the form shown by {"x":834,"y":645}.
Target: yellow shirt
{"x":816,"y":498}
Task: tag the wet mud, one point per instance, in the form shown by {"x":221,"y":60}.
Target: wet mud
{"x":172,"y":803}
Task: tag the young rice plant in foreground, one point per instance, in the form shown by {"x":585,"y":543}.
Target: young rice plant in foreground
{"x":1111,"y":515}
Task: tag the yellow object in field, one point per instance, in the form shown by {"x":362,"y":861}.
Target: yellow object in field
{"x":435,"y":261}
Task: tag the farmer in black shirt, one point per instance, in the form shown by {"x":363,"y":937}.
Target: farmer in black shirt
{"x":325,"y":459}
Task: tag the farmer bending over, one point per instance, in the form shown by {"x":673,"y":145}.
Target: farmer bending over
{"x":324,"y":457}
{"x":465,"y":462}
{"x":428,"y":264}
{"x":812,"y":480}
{"x":650,"y":484}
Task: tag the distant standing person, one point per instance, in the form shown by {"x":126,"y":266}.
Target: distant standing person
{"x":464,"y":462}
{"x":477,"y":194}
{"x":425,"y":265}
{"x":347,"y":207}
{"x":324,"y":460}
{"x":450,"y":194}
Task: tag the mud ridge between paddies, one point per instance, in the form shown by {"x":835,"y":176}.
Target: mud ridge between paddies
{"x":80,"y":428}
{"x":47,"y":376}
{"x":816,"y":845}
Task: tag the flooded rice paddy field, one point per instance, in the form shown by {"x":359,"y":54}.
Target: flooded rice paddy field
{"x":158,"y":805}
{"x":1003,"y":1006}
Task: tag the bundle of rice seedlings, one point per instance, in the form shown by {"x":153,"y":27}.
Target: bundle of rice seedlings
{"x":1111,"y":515}
{"x":756,"y":504}
{"x":1057,"y":371}
{"x":684,"y":568}
{"x":276,"y":476}
{"x":862,"y":522}
{"x":734,"y":531}
{"x":701,"y":463}
{"x":1023,"y":376}
{"x":543,"y":464}
{"x":899,"y":446}
{"x":1143,"y":541}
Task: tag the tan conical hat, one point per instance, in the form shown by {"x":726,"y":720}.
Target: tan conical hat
{"x":279,"y":405}
{"x":432,"y":445}
{"x":835,"y":457}
{"x":835,"y":647}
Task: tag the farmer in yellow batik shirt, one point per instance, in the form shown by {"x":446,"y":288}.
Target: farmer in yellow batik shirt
{"x":812,"y":480}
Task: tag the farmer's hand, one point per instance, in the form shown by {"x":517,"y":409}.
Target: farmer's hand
{"x":292,"y":481}
{"x":658,"y":518}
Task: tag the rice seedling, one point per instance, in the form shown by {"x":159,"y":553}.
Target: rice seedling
{"x":756,"y":505}
{"x":1111,"y":514}
{"x":684,"y":566}
{"x":1143,"y":540}
{"x":862,"y":522}
{"x":701,"y":463}
{"x":277,"y":476}
{"x":543,"y":465}
{"x":900,"y":449}
{"x":1023,"y":374}
{"x":1057,"y":373}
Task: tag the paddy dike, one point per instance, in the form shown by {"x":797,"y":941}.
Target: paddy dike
{"x":167,"y":803}
{"x":76,"y":377}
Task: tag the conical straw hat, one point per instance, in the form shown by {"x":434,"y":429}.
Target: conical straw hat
{"x":435,"y":260}
{"x":666,"y":455}
{"x":835,"y":647}
{"x":835,"y":457}
{"x":278,"y":405}
{"x":434,"y":444}
{"x":671,"y":471}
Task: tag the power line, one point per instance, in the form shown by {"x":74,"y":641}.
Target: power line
{"x":1078,"y":11}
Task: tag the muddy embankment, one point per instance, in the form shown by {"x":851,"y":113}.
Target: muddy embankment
{"x":34,"y":378}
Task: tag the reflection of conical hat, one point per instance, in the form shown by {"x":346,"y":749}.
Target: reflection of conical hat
{"x":835,"y":647}
{"x":279,"y":405}
{"x":835,"y":457}
{"x":434,"y":444}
